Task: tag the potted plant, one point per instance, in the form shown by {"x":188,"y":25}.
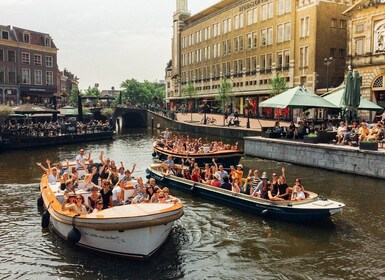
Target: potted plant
{"x":310,"y":138}
{"x":368,"y":145}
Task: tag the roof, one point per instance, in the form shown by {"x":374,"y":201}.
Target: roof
{"x":36,"y":38}
{"x":363,"y":4}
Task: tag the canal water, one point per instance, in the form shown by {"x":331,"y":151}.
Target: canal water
{"x":210,"y":241}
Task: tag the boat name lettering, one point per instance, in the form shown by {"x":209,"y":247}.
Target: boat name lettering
{"x":249,"y":5}
{"x":101,"y":236}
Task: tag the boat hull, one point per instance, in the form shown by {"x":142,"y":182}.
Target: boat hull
{"x":226,"y":158}
{"x":302,"y":211}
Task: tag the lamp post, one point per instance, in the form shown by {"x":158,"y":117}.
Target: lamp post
{"x":248,"y":113}
{"x":204,"y":111}
{"x":327,"y":62}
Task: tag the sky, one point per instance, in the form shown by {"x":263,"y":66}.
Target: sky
{"x":104,"y":42}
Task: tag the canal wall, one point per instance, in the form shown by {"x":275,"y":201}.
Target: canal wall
{"x":156,"y":121}
{"x":337,"y":158}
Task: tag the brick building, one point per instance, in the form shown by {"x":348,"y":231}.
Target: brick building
{"x":28,"y":66}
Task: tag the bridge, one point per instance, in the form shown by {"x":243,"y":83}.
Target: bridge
{"x":131,"y":117}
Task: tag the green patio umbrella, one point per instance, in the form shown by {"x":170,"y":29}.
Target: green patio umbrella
{"x":336,"y":98}
{"x":351,"y":96}
{"x":297,"y":97}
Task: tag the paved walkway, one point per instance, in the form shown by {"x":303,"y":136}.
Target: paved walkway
{"x":255,"y":124}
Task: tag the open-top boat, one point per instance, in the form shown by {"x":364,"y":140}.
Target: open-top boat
{"x":223,"y":157}
{"x":134,"y":230}
{"x":311,"y":209}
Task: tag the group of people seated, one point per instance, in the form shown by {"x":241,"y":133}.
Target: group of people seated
{"x":357,"y":133}
{"x":233,"y":180}
{"x":104,"y":182}
{"x":186,"y":145}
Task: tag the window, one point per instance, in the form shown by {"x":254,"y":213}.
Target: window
{"x":343,"y":24}
{"x":2,"y":75}
{"x":359,"y":46}
{"x":225,"y":26}
{"x":236,"y":22}
{"x":241,"y":20}
{"x":304,"y":56}
{"x":49,"y":61}
{"x":255,"y":15}
{"x":286,"y":60}
{"x":11,"y":56}
{"x":229,"y":24}
{"x":305,"y":27}
{"x":241,"y":43}
{"x":49,"y":78}
{"x":264,"y":12}
{"x":249,"y":17}
{"x":1,"y":55}
{"x":280,"y":7}
{"x":25,"y":58}
{"x":254,"y":63}
{"x":37,"y":59}
{"x":38,"y":77}
{"x":4,"y":35}
{"x":47,"y":41}
{"x":287,"y":27}
{"x":333,"y":22}
{"x":26,"y":76}
{"x":270,"y":36}
{"x":270,"y":9}
{"x":26,"y":38}
{"x":249,"y":41}
{"x":341,"y":53}
{"x":12,"y":75}
{"x":255,"y":42}
{"x":263,"y":63}
{"x":263,"y":37}
{"x":279,"y":33}
{"x":236,"y":44}
{"x":269,"y":62}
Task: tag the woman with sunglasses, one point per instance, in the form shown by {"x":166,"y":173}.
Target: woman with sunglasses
{"x":106,"y":194}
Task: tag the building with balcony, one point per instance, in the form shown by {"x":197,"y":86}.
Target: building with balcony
{"x":250,"y":42}
{"x":366,"y":47}
{"x":28,"y":66}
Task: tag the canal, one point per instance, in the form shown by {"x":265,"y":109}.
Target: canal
{"x":210,"y":240}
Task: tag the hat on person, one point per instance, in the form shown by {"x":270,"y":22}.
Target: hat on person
{"x":217,"y":176}
{"x":240,"y":165}
{"x":264,"y":176}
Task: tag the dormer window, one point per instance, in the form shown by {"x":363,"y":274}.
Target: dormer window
{"x":47,"y":41}
{"x":4,"y":35}
{"x":26,"y":38}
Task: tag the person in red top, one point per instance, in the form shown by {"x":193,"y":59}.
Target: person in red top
{"x":195,"y":176}
{"x":216,"y":182}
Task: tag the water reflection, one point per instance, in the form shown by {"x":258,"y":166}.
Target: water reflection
{"x":210,"y":240}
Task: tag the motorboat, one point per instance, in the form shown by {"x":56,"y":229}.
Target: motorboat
{"x":312,"y":208}
{"x":134,"y":230}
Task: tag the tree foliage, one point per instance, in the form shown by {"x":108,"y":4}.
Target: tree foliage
{"x":107,"y":112}
{"x":190,"y":93}
{"x":5,"y":111}
{"x":142,"y":93}
{"x":277,"y":85}
{"x":225,"y":95}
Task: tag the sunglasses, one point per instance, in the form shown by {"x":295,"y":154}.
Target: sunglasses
{"x":161,"y":196}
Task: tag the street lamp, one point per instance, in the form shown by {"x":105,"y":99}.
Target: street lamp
{"x":204,"y":111}
{"x":248,"y":113}
{"x":327,"y":62}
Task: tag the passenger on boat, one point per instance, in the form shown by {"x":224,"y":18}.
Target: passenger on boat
{"x":283,"y":188}
{"x":222,"y":173}
{"x":298,"y":190}
{"x":118,"y":194}
{"x":169,"y":164}
{"x":94,"y":198}
{"x":236,"y":186}
{"x":155,"y":196}
{"x":121,"y":171}
{"x":106,"y":194}
{"x":272,"y":194}
{"x":77,"y":207}
{"x":216,"y":181}
{"x":207,"y":175}
{"x":166,"y":134}
{"x":61,"y":169}
{"x":226,"y":184}
{"x":69,"y":189}
{"x":186,"y":174}
{"x":255,"y":180}
{"x":161,"y":197}
{"x":98,"y":206}
{"x":52,"y":173}
{"x":261,"y":189}
{"x":151,"y":187}
{"x":231,"y":173}
{"x":238,"y":174}
{"x":139,"y":192}
{"x":95,"y":176}
{"x":195,"y":176}
{"x":81,"y":160}
{"x":247,"y":186}
{"x":63,"y":179}
{"x":113,"y":176}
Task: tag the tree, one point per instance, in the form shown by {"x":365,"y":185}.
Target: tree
{"x":225,"y":96}
{"x":107,"y":112}
{"x":5,"y":111}
{"x":73,"y":98}
{"x":277,"y":85}
{"x":142,"y":94}
{"x":190,"y":93}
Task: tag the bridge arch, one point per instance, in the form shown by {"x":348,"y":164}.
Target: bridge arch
{"x":131,"y":118}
